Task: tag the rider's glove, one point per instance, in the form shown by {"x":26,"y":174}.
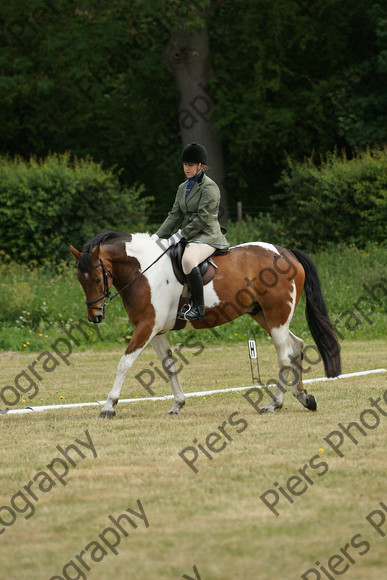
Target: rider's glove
{"x":175,"y":238}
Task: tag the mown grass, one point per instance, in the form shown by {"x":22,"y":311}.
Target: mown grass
{"x":37,"y":303}
{"x":213,"y":519}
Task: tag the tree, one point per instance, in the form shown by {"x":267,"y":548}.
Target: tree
{"x":84,"y":77}
{"x":277,"y":68}
{"x":360,"y":96}
{"x":253,"y":80}
{"x":187,"y":60}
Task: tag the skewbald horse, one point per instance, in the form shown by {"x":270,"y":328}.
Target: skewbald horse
{"x":259,"y":279}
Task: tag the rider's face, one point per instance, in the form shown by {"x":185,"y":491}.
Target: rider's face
{"x":191,"y":169}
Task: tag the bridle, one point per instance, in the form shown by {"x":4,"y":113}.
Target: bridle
{"x":106,"y":292}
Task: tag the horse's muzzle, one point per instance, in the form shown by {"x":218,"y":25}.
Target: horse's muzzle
{"x":97,"y":318}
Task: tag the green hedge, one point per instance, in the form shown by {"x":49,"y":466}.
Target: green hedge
{"x":45,"y":204}
{"x":338,"y":201}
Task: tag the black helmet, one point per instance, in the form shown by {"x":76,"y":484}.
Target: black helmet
{"x":193,"y":153}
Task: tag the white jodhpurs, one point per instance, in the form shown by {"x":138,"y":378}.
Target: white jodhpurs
{"x":194,"y":254}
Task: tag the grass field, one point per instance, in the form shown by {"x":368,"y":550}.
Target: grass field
{"x":210,"y":524}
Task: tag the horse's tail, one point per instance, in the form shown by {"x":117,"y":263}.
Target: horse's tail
{"x":318,"y":318}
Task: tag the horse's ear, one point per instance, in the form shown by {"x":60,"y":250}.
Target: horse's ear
{"x":95,"y":253}
{"x":77,"y":255}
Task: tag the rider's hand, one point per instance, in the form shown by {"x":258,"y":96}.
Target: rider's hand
{"x":175,"y":238}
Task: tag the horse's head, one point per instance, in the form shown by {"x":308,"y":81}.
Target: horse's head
{"x":95,"y":277}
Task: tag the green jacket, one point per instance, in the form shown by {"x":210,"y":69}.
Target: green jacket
{"x":196,"y":216}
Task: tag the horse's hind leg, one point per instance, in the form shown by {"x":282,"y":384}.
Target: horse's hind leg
{"x":161,"y":345}
{"x":289,"y":354}
{"x":296,"y":359}
{"x":284,"y":348}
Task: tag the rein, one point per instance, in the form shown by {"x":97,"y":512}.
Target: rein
{"x":107,"y":272}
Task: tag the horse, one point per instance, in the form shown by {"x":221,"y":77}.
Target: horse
{"x":260,"y":279}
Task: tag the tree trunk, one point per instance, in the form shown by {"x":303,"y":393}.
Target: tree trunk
{"x":187,"y":62}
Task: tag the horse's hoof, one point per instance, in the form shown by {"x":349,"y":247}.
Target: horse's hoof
{"x":311,"y":403}
{"x":271,"y":407}
{"x":268,"y":409}
{"x":176,"y":408}
{"x":107,"y":414}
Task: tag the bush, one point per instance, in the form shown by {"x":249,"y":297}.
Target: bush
{"x":45,"y":204}
{"x":263,"y":228}
{"x":339,"y":201}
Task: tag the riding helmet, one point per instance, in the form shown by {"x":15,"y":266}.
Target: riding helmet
{"x":193,"y":153}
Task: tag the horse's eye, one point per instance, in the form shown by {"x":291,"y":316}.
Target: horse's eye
{"x":99,"y":280}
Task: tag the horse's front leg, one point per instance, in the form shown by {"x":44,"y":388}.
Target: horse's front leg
{"x":161,"y":345}
{"x":140,"y":338}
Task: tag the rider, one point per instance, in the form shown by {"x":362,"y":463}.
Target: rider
{"x":195,"y":211}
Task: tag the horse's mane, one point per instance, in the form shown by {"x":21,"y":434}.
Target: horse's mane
{"x":85,"y":262}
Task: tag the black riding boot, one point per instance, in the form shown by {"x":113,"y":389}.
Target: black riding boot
{"x":195,"y":283}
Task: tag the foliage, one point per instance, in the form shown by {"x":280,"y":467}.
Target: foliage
{"x":360,"y":97}
{"x":283,"y":95}
{"x":90,"y":77}
{"x":340,"y":200}
{"x":45,"y":204}
{"x":263,"y":228}
{"x":37,"y":304}
{"x":86,"y":77}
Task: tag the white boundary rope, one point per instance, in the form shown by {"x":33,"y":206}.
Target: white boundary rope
{"x":166,"y":397}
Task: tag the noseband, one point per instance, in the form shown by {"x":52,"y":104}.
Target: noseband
{"x":106,"y":291}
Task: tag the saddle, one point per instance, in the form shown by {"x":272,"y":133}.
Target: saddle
{"x":207,"y":270}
